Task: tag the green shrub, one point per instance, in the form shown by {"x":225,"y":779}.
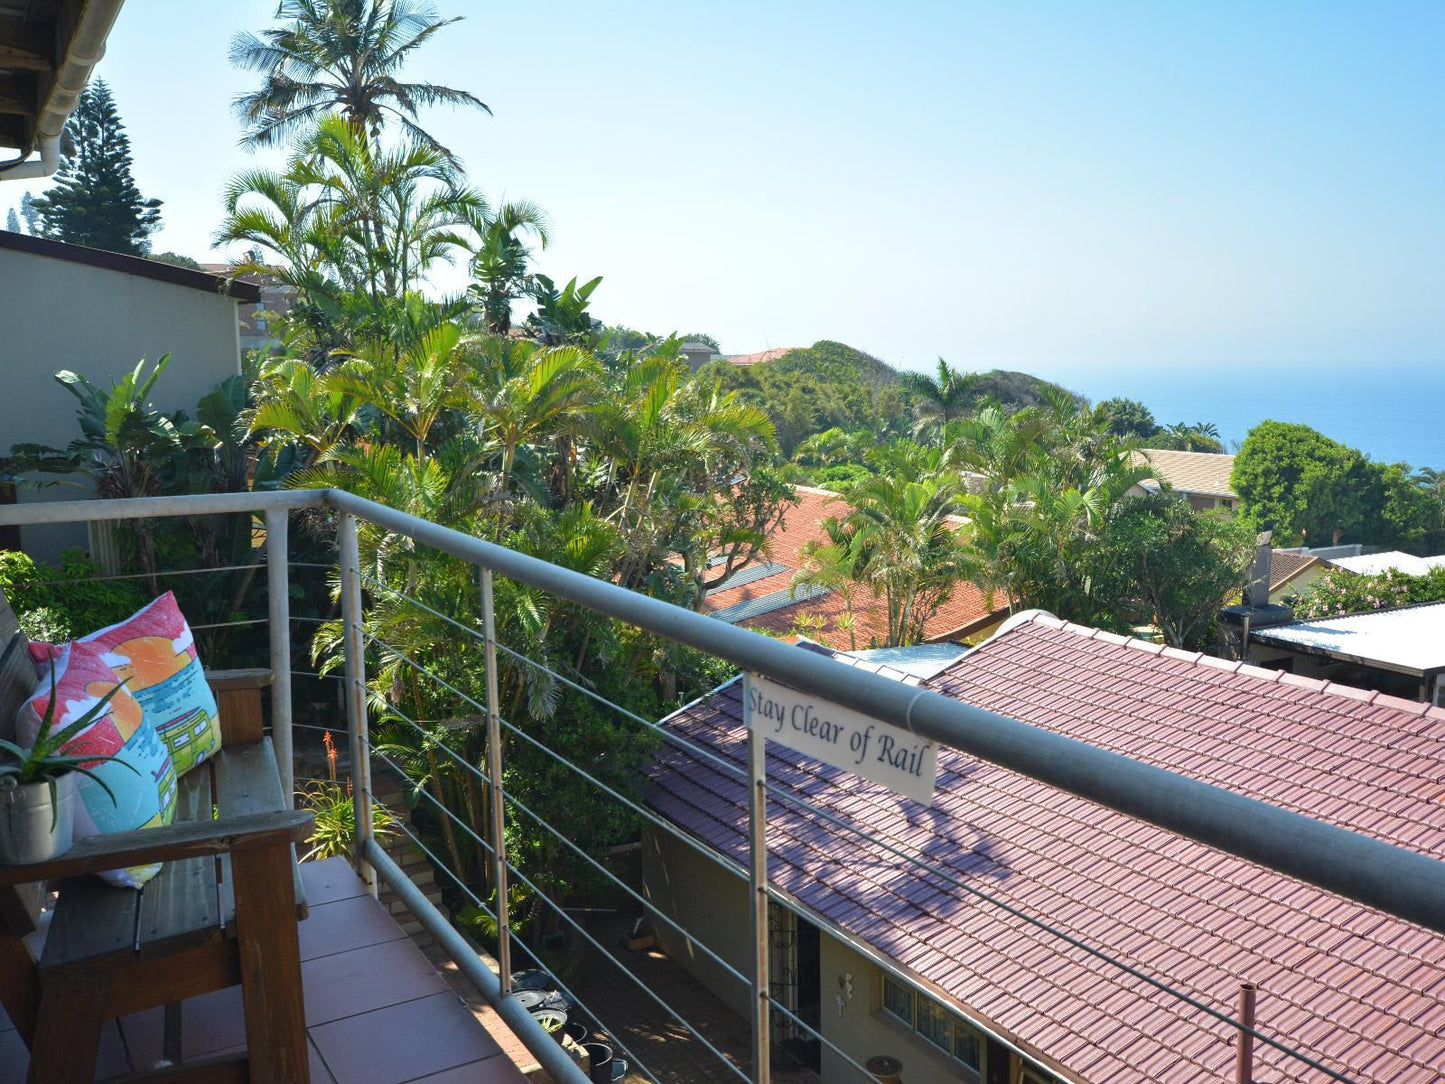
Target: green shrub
{"x":65,"y":602}
{"x":1339,"y":592}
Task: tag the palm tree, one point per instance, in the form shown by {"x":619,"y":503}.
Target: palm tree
{"x":342,"y":55}
{"x":835,"y":566}
{"x":414,"y":392}
{"x":347,"y":224}
{"x":910,"y":550}
{"x":524,"y":393}
{"x":940,"y":400}
{"x":499,"y":265}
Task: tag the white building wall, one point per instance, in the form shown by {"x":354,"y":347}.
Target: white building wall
{"x":56,"y":314}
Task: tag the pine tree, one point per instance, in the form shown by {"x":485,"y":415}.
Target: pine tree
{"x":30,"y":214}
{"x":95,"y":201}
{"x":12,"y":221}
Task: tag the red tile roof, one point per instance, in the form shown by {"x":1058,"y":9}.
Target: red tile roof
{"x":1355,"y":989}
{"x":760,"y":357}
{"x":967,"y":608}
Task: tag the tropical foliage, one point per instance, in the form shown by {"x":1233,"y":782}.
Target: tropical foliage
{"x":343,"y":57}
{"x":513,"y":413}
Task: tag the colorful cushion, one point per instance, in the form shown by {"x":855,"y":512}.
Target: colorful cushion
{"x":142,"y":798}
{"x":155,"y":651}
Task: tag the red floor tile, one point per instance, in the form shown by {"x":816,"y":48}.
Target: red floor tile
{"x":410,"y":1041}
{"x":491,"y":1071}
{"x":344,"y":925}
{"x":376,"y":1009}
{"x":358,"y":981}
{"x":330,"y":880}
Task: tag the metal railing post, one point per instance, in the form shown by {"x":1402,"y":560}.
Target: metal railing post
{"x":494,"y":787}
{"x":278,"y":610}
{"x":758,"y":827}
{"x":356,"y":722}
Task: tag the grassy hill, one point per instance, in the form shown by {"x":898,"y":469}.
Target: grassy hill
{"x":828,"y":360}
{"x":829,"y":384}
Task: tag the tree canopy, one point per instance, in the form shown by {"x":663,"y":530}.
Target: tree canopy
{"x":341,"y":56}
{"x":1314,"y":490}
{"x":95,"y":201}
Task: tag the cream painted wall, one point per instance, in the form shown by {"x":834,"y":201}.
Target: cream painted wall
{"x":710,"y":903}
{"x":864,"y":1030}
{"x":55,"y":314}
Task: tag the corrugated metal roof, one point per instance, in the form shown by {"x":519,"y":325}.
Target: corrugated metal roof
{"x":1410,"y":638}
{"x":920,"y":660}
{"x":1373,"y":564}
{"x":1350,"y":986}
{"x":751,"y":573}
{"x":755,"y":607}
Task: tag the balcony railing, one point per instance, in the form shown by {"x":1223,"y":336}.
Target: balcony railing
{"x":1397,"y":881}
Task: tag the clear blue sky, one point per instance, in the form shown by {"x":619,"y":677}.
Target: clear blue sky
{"x":1054,"y":187}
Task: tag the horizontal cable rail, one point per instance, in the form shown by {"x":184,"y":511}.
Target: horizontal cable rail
{"x":1370,"y":871}
{"x":1393,"y":879}
{"x":556,"y":1061}
{"x":491,"y":913}
{"x":1183,"y":996}
{"x":595,"y":865}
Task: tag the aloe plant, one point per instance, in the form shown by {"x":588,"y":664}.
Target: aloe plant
{"x":44,"y":760}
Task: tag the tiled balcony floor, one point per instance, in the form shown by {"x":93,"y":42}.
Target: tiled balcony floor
{"x":376,"y":1011}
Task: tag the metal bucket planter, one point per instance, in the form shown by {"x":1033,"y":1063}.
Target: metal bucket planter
{"x":31,"y":828}
{"x":599,"y":1060}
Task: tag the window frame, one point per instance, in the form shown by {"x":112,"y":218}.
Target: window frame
{"x":953,"y":1025}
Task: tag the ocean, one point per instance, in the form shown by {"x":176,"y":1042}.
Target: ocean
{"x":1393,"y":413}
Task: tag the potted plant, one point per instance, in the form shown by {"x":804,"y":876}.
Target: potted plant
{"x":37,"y":787}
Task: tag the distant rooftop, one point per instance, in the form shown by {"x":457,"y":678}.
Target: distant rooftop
{"x":919,"y":660}
{"x":762,"y":596}
{"x":760,"y":356}
{"x":1409,"y":640}
{"x":1284,"y":567}
{"x":1205,"y":473}
{"x":1373,"y":564}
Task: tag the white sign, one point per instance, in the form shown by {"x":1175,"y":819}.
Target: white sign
{"x":842,"y":737}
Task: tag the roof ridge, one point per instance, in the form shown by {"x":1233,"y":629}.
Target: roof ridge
{"x":1273,"y":677}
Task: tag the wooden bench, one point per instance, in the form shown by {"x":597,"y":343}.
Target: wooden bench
{"x":222,"y":911}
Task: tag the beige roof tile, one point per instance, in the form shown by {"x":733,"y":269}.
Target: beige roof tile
{"x":1205,"y":473}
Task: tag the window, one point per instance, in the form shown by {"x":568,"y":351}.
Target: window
{"x":935,"y":1025}
{"x":1029,"y":1075}
{"x":898,"y":999}
{"x":940,"y":1027}
{"x":968,"y":1047}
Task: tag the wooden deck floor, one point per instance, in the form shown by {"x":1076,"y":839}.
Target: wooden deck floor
{"x":377,"y":1012}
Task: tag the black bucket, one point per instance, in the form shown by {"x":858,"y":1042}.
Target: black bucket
{"x":577,"y":1031}
{"x":599,"y":1057}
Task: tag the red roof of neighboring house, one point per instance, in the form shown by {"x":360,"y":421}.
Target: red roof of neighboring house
{"x":802,"y":523}
{"x":1360,"y":991}
{"x":760,"y":356}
